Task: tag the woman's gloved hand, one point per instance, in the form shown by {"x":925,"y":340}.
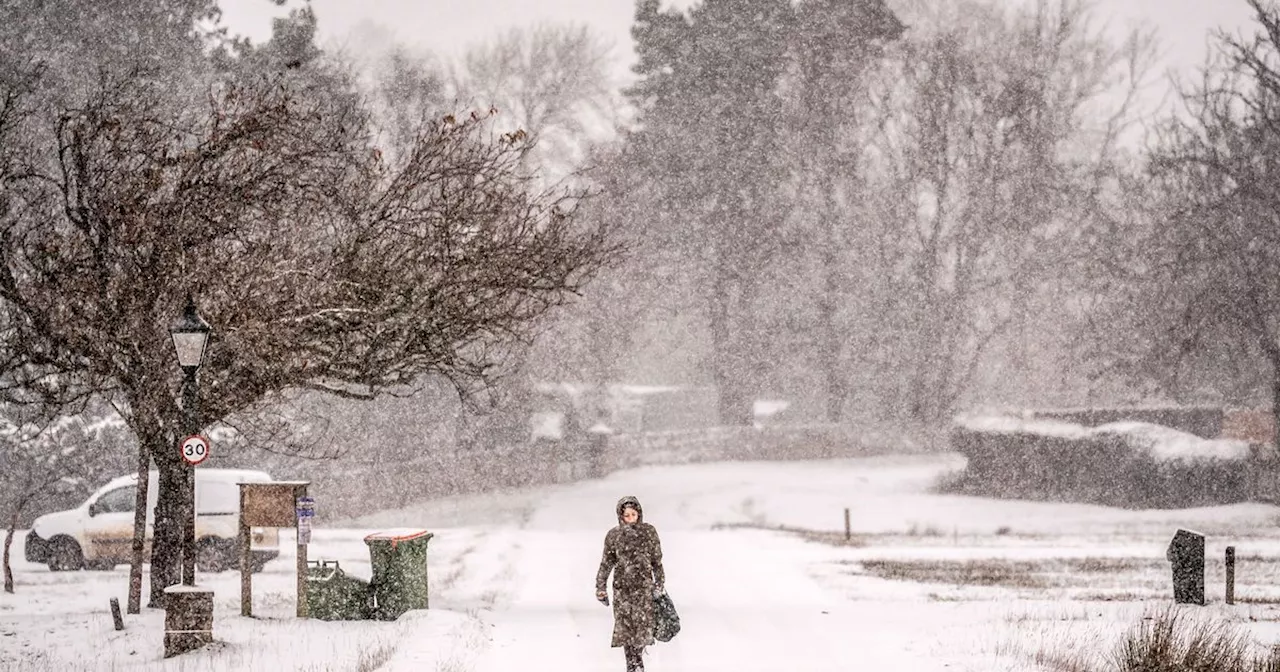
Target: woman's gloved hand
{"x":659,"y":591}
{"x":603,"y":597}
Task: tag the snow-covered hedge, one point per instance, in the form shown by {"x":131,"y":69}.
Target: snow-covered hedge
{"x":1130,"y":464}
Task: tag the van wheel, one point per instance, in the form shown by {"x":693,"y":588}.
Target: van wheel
{"x":65,"y":555}
{"x":214,"y":556}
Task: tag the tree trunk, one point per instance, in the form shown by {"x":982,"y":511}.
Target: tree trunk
{"x":166,"y":542}
{"x":837,"y":387}
{"x":726,"y":366}
{"x":139,"y":529}
{"x":8,"y":542}
{"x":1271,"y":350}
{"x":829,"y":331}
{"x":1275,"y":401}
{"x":922,"y":361}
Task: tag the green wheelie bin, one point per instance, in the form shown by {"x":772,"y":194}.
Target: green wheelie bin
{"x":334,"y":595}
{"x":399,"y":560}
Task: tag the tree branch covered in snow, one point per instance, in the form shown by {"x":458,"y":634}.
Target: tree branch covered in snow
{"x":320,"y":263}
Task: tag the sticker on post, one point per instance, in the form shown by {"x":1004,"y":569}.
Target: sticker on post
{"x":195,"y":449}
{"x":306,"y":509}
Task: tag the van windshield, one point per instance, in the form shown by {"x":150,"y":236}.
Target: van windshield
{"x":120,"y":500}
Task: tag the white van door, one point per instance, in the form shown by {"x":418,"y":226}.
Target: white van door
{"x":108,"y":530}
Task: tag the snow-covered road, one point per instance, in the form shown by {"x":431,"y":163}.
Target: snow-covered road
{"x":746,"y":599}
{"x":981,"y":585}
{"x":743,"y":608}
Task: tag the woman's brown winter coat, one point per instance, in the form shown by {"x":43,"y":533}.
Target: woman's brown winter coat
{"x":633,"y":553}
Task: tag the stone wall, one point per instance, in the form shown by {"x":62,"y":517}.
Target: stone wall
{"x":347,"y":490}
{"x":782,"y":442}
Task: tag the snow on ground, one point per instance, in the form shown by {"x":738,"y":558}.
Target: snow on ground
{"x":928,"y":582}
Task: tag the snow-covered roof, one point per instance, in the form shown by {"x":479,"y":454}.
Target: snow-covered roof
{"x":768,"y":407}
{"x":547,"y":425}
{"x":642,"y":390}
{"x":209,"y":473}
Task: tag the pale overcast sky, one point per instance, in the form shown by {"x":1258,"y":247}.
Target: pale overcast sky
{"x":448,"y":26}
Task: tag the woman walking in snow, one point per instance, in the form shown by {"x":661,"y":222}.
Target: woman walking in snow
{"x":633,"y":553}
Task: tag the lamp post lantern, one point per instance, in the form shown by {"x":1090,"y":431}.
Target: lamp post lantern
{"x":190,"y":335}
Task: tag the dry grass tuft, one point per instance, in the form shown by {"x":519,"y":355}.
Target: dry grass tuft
{"x":1167,"y":641}
{"x":1027,"y":574}
{"x":375,"y":657}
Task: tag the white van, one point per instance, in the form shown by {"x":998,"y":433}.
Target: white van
{"x":99,"y":533}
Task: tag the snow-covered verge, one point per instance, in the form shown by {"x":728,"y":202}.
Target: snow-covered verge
{"x":927,"y":581}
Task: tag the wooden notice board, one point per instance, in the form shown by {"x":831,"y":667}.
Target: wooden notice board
{"x":269,"y":504}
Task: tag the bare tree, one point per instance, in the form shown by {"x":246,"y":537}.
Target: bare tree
{"x":551,"y":81}
{"x":590,"y":340}
{"x":991,"y":148}
{"x":1202,"y":295}
{"x":45,"y":465}
{"x":549,"y":87}
{"x":28,"y":470}
{"x":836,"y":43}
{"x":408,"y":88}
{"x":321,"y":264}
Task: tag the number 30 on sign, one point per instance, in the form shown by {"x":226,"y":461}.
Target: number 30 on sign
{"x":195,"y":449}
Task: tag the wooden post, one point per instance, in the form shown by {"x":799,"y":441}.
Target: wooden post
{"x":269,"y":504}
{"x":1231,"y":575}
{"x":303,"y":610}
{"x":115,"y":614}
{"x":848,"y":530}
{"x":244,"y":539}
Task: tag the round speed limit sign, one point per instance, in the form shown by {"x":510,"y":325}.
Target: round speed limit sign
{"x":195,"y":449}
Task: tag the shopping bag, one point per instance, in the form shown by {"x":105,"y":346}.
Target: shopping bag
{"x":666,"y":622}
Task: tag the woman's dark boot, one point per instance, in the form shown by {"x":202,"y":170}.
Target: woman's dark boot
{"x":635,"y":660}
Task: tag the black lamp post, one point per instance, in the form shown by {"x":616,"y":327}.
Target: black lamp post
{"x":190,"y":334}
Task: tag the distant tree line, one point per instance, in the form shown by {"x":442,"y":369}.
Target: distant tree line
{"x":892,"y":215}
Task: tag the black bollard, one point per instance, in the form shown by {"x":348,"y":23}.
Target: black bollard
{"x":1186,"y":552}
{"x":115,"y":614}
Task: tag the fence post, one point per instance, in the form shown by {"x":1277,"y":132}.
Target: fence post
{"x":848,"y":531}
{"x":1231,"y":575}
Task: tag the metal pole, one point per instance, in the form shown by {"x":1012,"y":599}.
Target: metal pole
{"x":189,"y":395}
